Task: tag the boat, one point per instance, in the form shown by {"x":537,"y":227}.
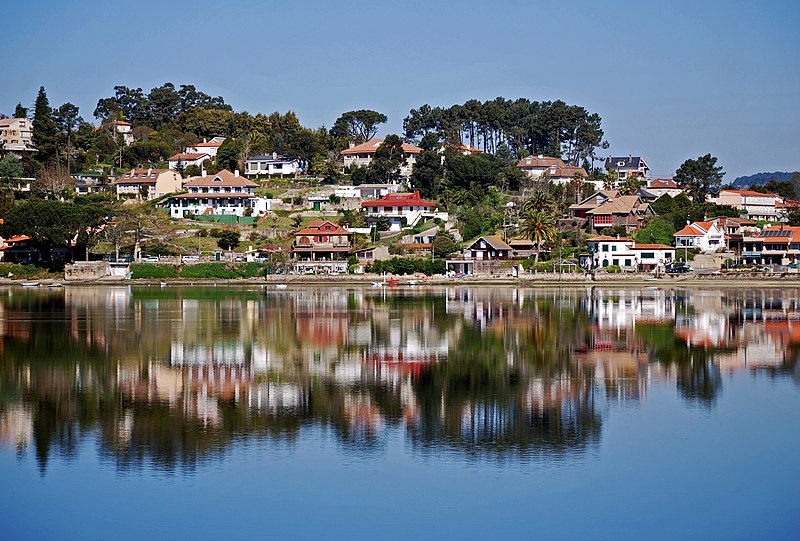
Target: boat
{"x":56,"y":285}
{"x":412,"y":282}
{"x":163,"y":284}
{"x":30,"y":284}
{"x":393,"y":281}
{"x":281,"y":286}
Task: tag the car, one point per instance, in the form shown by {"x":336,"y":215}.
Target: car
{"x":191,"y":259}
{"x":151,"y":259}
{"x":238,"y":259}
{"x":679,"y":269}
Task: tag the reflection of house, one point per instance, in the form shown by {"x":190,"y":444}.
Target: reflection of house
{"x":272,"y":165}
{"x":323,"y":246}
{"x":705,"y":236}
{"x":402,"y":209}
{"x":362,"y":155}
{"x":147,"y":183}
{"x":632,"y":166}
{"x":224,"y":193}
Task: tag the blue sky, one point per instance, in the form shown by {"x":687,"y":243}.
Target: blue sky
{"x":671,"y":81}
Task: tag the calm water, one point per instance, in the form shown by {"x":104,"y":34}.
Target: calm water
{"x":358,"y":413}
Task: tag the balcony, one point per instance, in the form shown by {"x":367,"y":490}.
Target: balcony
{"x":750,"y":253}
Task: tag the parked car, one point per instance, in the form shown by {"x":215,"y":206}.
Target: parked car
{"x":151,"y":259}
{"x":190,"y":259}
{"x":679,"y":269}
{"x":238,"y":259}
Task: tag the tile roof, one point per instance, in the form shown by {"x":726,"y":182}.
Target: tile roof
{"x":662,"y":183}
{"x":652,"y":247}
{"x":223,"y":178}
{"x":696,"y":229}
{"x":372,"y":145}
{"x":621,"y":205}
{"x":209,"y":144}
{"x":142,"y":175}
{"x":539,"y":161}
{"x":315,"y":228}
{"x":602,"y":238}
{"x":492,"y":240}
{"x":749,"y":193}
{"x":400,"y":199}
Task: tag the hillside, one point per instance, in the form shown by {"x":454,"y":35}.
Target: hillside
{"x":760,"y":179}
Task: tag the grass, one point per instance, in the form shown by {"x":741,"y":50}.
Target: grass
{"x":27,"y":271}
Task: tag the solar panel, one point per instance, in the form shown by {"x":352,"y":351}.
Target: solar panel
{"x":776,"y":233}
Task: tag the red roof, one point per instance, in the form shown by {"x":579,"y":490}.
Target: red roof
{"x":372,"y":145}
{"x":400,"y":199}
{"x":223,"y":178}
{"x":319,"y":228}
{"x":187,"y":157}
{"x":209,"y":144}
{"x":609,"y":238}
{"x":539,"y":161}
{"x":662,"y":183}
{"x":750,"y":193}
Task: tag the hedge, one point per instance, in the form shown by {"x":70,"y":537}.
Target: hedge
{"x":149,"y":270}
{"x":26,"y":271}
{"x":408,"y":265}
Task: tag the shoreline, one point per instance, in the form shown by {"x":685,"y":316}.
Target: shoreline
{"x":544,"y":280}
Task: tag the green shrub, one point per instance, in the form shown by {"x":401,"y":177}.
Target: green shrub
{"x":149,"y":270}
{"x":26,"y":271}
{"x":408,"y":265}
{"x":208,"y":270}
{"x":613,"y":269}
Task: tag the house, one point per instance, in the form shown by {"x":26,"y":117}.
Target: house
{"x":632,"y":166}
{"x":481,"y":256}
{"x":402,"y":209}
{"x":224,"y":193}
{"x":150,"y":183}
{"x":535,"y":166}
{"x":663,"y":186}
{"x":125,"y":130}
{"x":565,"y":174}
{"x":783,"y":209}
{"x":362,"y":155}
{"x":206,"y":147}
{"x":86,"y":183}
{"x":365,"y":190}
{"x":757,"y":205}
{"x":736,"y":230}
{"x":705,"y":236}
{"x":186,"y":159}
{"x":17,"y":249}
{"x":623,"y":252}
{"x":773,"y":245}
{"x":16,"y":136}
{"x":322,"y":247}
{"x":273,"y":165}
{"x":607,"y":208}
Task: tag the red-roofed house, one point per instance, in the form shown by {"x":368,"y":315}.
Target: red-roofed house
{"x":776,"y":245}
{"x":207,"y":147}
{"x":224,"y":193}
{"x":402,"y":209}
{"x":535,"y":166}
{"x":362,"y":155}
{"x":757,"y":205}
{"x":626,"y":254}
{"x":663,"y":186}
{"x":16,"y":249}
{"x":322,"y":247}
{"x":705,"y":236}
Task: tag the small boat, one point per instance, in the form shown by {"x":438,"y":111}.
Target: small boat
{"x":281,"y":286}
{"x":163,"y":284}
{"x":30,"y":284}
{"x":412,"y":282}
{"x":56,"y":285}
{"x":393,"y":281}
{"x":377,"y":284}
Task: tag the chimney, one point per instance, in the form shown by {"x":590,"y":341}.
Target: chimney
{"x":540,"y":156}
{"x":352,"y":144}
{"x":149,"y":170}
{"x":204,"y":140}
{"x":203,"y":172}
{"x":630,"y":158}
{"x":236,"y":173}
{"x":274,"y":155}
{"x":617,"y":236}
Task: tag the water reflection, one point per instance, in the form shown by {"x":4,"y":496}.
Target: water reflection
{"x":171,"y":377}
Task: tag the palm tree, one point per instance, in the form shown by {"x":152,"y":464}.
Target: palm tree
{"x":541,"y":201}
{"x":540,"y":227}
{"x":629,"y":185}
{"x":610,"y":182}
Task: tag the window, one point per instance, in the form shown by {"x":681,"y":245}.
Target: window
{"x":614,"y":249}
{"x":616,"y":262}
{"x":627,"y":262}
{"x":605,"y":247}
{"x":648,"y":255}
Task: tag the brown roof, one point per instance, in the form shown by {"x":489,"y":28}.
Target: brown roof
{"x":608,"y":238}
{"x":539,"y":161}
{"x":567,"y":171}
{"x":315,"y":228}
{"x":750,"y":193}
{"x":492,"y":240}
{"x":621,"y":205}
{"x":662,"y":183}
{"x":372,"y":145}
{"x":209,"y":144}
{"x":142,"y":175}
{"x":223,"y":178}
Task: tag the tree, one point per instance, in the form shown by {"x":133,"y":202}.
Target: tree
{"x":67,"y":119}
{"x":445,"y":244}
{"x":784,"y":189}
{"x":629,"y":185}
{"x":610,"y":180}
{"x":658,"y":231}
{"x":358,"y":126}
{"x":228,"y":239}
{"x":10,"y":169}
{"x":428,"y":169}
{"x":702,"y":177}
{"x":540,"y":227}
{"x":389,"y":158}
{"x":51,"y":180}
{"x":20,"y":111}
{"x":229,"y":153}
{"x":45,"y":131}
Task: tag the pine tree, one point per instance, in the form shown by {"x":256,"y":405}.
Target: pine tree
{"x":45,"y":131}
{"x":20,"y":111}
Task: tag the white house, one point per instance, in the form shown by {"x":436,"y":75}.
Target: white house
{"x":362,"y":155}
{"x":365,"y":190}
{"x":272,"y":165}
{"x":188,"y":158}
{"x":16,"y":136}
{"x":403,"y":209}
{"x":663,"y":186}
{"x":627,"y":254}
{"x":757,"y":205}
{"x":207,"y":147}
{"x":706,"y":236}
{"x":223,"y":193}
{"x":535,"y":166}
